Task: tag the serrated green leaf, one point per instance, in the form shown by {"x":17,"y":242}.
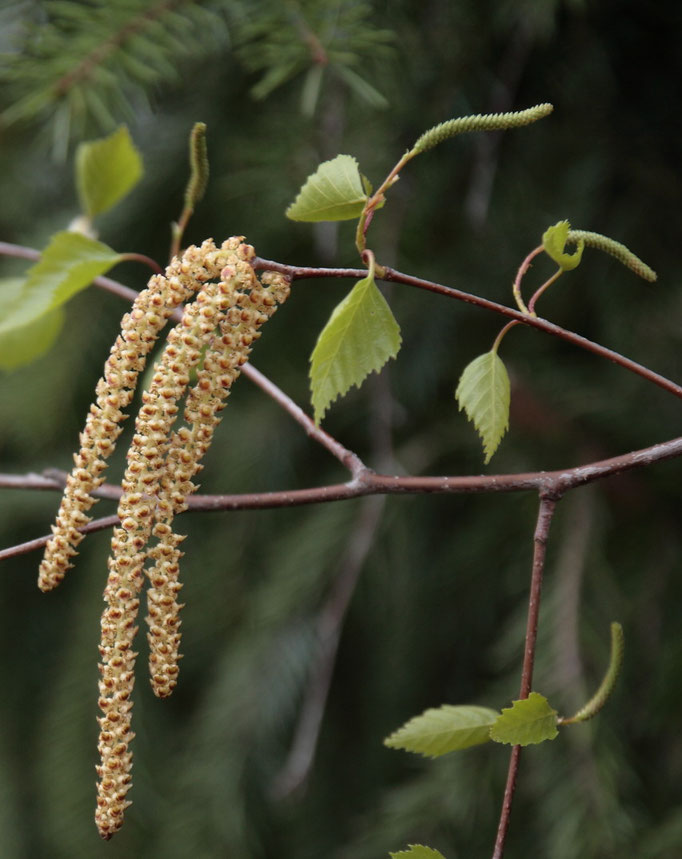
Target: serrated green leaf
{"x":484,"y":394}
{"x":334,"y":192}
{"x":417,"y":851}
{"x":444,"y":729}
{"x":25,"y":343}
{"x":554,"y":242}
{"x":359,"y":338}
{"x":528,"y":721}
{"x":106,"y":170}
{"x":69,"y":263}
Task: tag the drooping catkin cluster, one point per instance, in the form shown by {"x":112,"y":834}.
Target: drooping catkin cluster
{"x":220,"y":325}
{"x":223,"y":320}
{"x":254,"y":303}
{"x":137,"y":510}
{"x":140,"y":329}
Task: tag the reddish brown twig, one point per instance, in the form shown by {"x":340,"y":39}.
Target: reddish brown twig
{"x":548,"y":501}
{"x":303,"y":272}
{"x":368,"y":482}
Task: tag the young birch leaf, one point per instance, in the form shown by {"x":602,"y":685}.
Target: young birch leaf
{"x":445,"y":729}
{"x":554,"y":241}
{"x":69,"y":263}
{"x":106,"y":170}
{"x":484,"y":394}
{"x":528,"y":721}
{"x":25,"y":343}
{"x":359,"y":338}
{"x":334,"y":192}
{"x":417,"y":851}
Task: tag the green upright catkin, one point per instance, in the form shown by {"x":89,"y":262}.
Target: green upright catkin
{"x":198,"y":161}
{"x":479,"y":122}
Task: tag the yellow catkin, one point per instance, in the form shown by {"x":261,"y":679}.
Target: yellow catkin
{"x":139,"y":330}
{"x":254,"y":303}
{"x":137,"y":511}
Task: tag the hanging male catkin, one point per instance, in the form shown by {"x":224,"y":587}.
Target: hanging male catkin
{"x":140,"y":329}
{"x":223,"y":320}
{"x":221,"y":324}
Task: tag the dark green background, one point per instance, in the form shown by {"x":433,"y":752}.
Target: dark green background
{"x":439,"y":610}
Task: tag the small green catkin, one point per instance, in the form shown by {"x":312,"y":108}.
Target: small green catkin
{"x":602,"y":695}
{"x":615,"y":249}
{"x":198,"y":162}
{"x":479,"y":122}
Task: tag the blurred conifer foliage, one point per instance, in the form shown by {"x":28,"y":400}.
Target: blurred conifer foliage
{"x":438,"y":612}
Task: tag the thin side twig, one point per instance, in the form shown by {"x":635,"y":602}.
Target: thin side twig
{"x":41,"y":542}
{"x":346,"y":457}
{"x":391,"y":275}
{"x":548,"y":502}
{"x":370,"y":483}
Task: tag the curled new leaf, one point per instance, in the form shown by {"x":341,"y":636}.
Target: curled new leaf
{"x":480,"y":122}
{"x":417,"y":851}
{"x":615,"y":249}
{"x":445,"y":729}
{"x":484,"y":394}
{"x":106,"y":170}
{"x":528,"y":721}
{"x":359,"y":338}
{"x":554,"y":241}
{"x":334,"y":192}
